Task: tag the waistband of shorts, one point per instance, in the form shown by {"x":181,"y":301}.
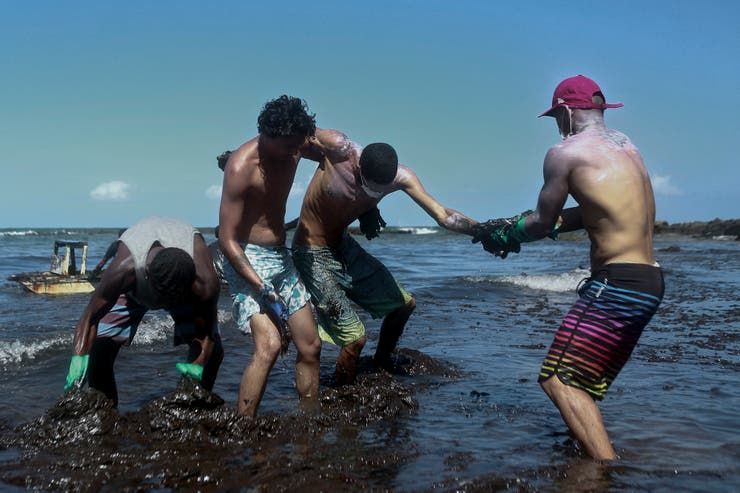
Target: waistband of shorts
{"x":643,"y":278}
{"x":262,"y":248}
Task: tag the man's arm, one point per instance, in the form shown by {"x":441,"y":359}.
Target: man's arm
{"x":117,"y":279}
{"x":552,"y":197}
{"x":328,"y":143}
{"x":447,"y":218}
{"x":234,"y":198}
{"x":206,"y":290}
{"x":570,"y":220}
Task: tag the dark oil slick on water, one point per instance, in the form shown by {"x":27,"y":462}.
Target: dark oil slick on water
{"x":463,"y":411}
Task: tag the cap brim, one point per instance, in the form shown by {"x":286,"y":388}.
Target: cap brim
{"x":548,"y":112}
{"x":603,"y":107}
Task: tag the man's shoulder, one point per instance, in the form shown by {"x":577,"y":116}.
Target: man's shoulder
{"x":563,"y":150}
{"x":404,"y":176}
{"x":244,"y":157}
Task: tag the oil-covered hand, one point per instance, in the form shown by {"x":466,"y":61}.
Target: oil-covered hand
{"x":191,"y":370}
{"x":503,"y":235}
{"x":275,"y":307}
{"x":77,"y":370}
{"x":371,"y":222}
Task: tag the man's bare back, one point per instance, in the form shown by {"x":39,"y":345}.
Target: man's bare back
{"x":610,"y":183}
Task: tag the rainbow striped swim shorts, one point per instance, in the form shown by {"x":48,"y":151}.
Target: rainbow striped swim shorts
{"x":597,"y":336}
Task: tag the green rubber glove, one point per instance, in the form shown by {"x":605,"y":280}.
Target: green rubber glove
{"x":191,"y":370}
{"x":77,"y":370}
{"x":518,"y":232}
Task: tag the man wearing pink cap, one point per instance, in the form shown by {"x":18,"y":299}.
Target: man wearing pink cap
{"x":604,"y":172}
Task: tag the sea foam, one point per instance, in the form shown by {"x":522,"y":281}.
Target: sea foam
{"x":28,"y":232}
{"x":417,"y":231}
{"x":18,"y":351}
{"x":560,"y":283}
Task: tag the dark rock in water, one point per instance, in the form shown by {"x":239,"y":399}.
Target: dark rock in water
{"x":190,"y":439}
{"x":76,"y":417}
{"x":410,"y":362}
{"x":671,"y":249}
{"x":716,"y":227}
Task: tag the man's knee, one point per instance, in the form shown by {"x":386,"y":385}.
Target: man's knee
{"x":356,"y":346}
{"x":309,"y":351}
{"x":552,"y":386}
{"x":411,"y":304}
{"x":268,"y":349}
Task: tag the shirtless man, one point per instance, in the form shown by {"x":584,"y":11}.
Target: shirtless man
{"x":159,"y":263}
{"x":349,"y":182}
{"x":604,"y":172}
{"x":269,"y":298}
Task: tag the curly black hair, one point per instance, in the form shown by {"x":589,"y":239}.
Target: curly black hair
{"x":286,"y":116}
{"x":379,"y":163}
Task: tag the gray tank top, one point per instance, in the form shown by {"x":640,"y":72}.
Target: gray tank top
{"x":139,"y":239}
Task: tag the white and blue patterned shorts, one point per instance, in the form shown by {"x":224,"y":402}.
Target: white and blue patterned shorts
{"x":275,"y":267}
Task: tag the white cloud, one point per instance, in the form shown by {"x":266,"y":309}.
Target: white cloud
{"x":115,"y":191}
{"x":662,"y":185}
{"x":214,"y":192}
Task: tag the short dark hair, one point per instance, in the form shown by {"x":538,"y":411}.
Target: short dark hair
{"x":222,"y":159}
{"x":379,"y":163}
{"x":171,"y":273}
{"x":286,"y":116}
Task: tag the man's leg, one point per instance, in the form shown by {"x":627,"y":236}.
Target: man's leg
{"x":210,"y":370}
{"x":390,"y":332}
{"x":306,"y":339}
{"x":100,"y":374}
{"x":116,"y":328}
{"x":582,"y":415}
{"x":349,"y":356}
{"x":267,"y":347}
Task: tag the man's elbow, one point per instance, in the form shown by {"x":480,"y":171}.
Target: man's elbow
{"x":539,"y":227}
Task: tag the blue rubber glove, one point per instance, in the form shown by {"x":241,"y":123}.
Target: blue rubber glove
{"x":190,"y":370}
{"x":273,"y":304}
{"x":77,"y":371}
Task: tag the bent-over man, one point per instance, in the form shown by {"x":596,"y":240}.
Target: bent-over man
{"x":348,"y":184}
{"x":160,"y":263}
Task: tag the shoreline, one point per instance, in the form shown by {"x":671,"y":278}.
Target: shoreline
{"x":720,"y":229}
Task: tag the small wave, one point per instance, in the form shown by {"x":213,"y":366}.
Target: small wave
{"x":18,"y":351}
{"x":417,"y":231}
{"x":560,"y":283}
{"x":28,"y":232}
{"x":159,"y":328}
{"x":151,"y":330}
{"x":725,"y":237}
{"x":154,"y":329}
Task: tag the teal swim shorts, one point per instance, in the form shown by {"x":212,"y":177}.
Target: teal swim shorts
{"x":335,"y":277}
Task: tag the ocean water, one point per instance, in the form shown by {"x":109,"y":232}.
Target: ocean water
{"x":673,"y":413}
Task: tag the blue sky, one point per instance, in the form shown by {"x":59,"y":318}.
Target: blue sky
{"x":112,"y":111}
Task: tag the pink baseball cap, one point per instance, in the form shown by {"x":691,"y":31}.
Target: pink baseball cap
{"x":578,"y":92}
